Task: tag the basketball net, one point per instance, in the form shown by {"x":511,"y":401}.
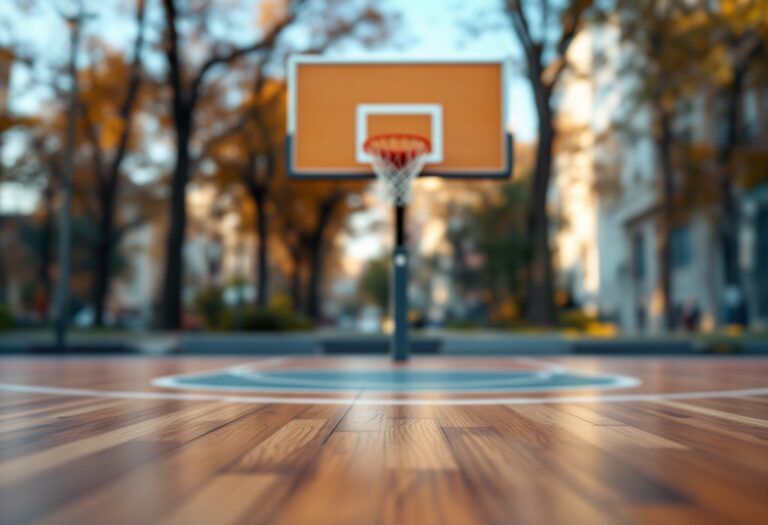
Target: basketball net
{"x":398,"y":159}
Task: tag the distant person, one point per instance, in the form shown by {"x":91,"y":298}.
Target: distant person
{"x":41,"y":303}
{"x":691,"y":316}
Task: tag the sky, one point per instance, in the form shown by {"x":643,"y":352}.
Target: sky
{"x":424,"y":28}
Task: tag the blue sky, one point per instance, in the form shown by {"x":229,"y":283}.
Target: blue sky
{"x":425,"y":28}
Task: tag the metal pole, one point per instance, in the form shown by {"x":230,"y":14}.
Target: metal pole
{"x":65,"y":219}
{"x":400,"y":288}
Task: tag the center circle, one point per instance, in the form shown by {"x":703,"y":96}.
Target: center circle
{"x":398,"y":379}
{"x":393,"y":380}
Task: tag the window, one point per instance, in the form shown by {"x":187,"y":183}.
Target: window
{"x":680,"y":247}
{"x":638,"y":256}
{"x":761,"y":261}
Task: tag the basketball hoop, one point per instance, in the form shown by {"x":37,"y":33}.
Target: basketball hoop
{"x":397,"y":159}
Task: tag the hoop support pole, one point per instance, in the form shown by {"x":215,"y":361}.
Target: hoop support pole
{"x":399,"y":345}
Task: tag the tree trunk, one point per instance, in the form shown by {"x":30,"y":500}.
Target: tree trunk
{"x":729,"y":210}
{"x":46,"y":244}
{"x":262,"y":270}
{"x":3,"y":279}
{"x":541,"y":310}
{"x":314,"y":280}
{"x":171,"y":306}
{"x":296,"y":285}
{"x":104,"y":245}
{"x":664,"y":145}
{"x":316,"y":250}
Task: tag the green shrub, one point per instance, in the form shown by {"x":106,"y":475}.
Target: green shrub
{"x":279,"y":316}
{"x":461,"y":324}
{"x":262,"y":320}
{"x":574,"y":319}
{"x":209,"y":303}
{"x":273,"y":320}
{"x":6,"y":319}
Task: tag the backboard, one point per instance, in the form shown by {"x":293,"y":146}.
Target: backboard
{"x":335,"y":105}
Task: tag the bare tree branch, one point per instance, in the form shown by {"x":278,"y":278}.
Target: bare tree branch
{"x":172,"y":54}
{"x":93,"y":138}
{"x":134,"y":80}
{"x":520,"y":23}
{"x":265,"y":43}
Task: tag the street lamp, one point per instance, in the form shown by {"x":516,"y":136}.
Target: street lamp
{"x":65,"y":216}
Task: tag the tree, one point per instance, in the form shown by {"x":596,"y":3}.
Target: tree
{"x":6,"y":61}
{"x":108,"y":129}
{"x":188,"y":84}
{"x":739,"y":30}
{"x":309,"y":215}
{"x":684,"y":50}
{"x":186,"y":88}
{"x":375,"y":282}
{"x":41,"y":166}
{"x":546,"y":58}
{"x":663,"y":73}
{"x":497,"y":228}
{"x":249,"y":155}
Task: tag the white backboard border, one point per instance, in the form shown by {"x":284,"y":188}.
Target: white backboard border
{"x":365,"y":111}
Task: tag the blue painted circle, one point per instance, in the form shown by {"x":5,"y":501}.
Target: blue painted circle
{"x":397,"y":380}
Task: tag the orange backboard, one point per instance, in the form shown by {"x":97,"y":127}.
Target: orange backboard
{"x":335,"y":105}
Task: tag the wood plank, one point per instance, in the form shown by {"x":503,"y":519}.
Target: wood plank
{"x":591,"y":415}
{"x":513,"y":487}
{"x":47,"y":435}
{"x":364,"y":418}
{"x":650,"y":416}
{"x":146,"y":493}
{"x":599,"y":435}
{"x":429,"y":498}
{"x":604,"y":478}
{"x":33,"y":497}
{"x":48,"y":416}
{"x":720,"y":414}
{"x":228,"y":499}
{"x":280,"y":450}
{"x":44,"y":407}
{"x":417,"y":444}
{"x":14,"y":470}
{"x":345,"y":486}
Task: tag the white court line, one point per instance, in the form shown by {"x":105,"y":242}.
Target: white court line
{"x":116,"y":394}
{"x":554,"y":368}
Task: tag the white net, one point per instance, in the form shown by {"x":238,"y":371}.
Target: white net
{"x":397,"y":161}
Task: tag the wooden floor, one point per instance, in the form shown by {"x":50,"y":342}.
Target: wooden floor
{"x":112,"y":460}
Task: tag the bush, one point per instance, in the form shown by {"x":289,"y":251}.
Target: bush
{"x":209,"y":303}
{"x":273,"y":320}
{"x":574,"y":319}
{"x":6,"y":319}
{"x":461,"y":324}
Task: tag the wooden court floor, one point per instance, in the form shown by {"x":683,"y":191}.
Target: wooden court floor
{"x":92,"y":441}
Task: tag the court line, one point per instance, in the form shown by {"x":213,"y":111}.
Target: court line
{"x":116,"y":394}
{"x":554,"y":368}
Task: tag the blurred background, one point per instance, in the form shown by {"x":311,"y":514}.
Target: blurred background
{"x":638,"y":203}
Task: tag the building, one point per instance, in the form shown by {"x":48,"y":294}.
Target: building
{"x":607,"y":202}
